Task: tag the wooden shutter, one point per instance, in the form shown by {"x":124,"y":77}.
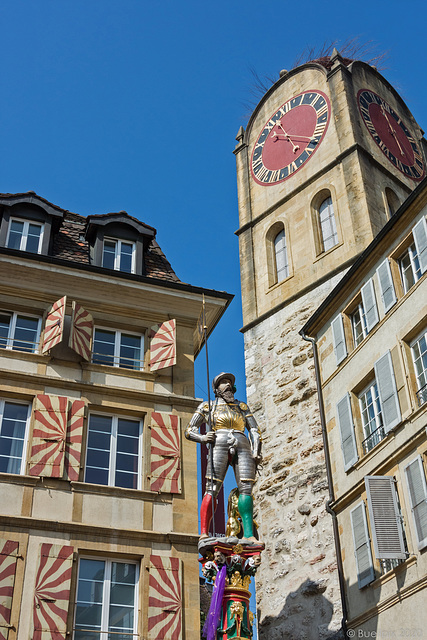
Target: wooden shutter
{"x":52,"y":592}
{"x":73,"y":439}
{"x":385,"y":518}
{"x":387,"y":391}
{"x":165,"y":472}
{"x":54,"y":325}
{"x":48,"y":445}
{"x":362,"y":545}
{"x":369,"y":304}
{"x":163,"y":345}
{"x":81,"y":332}
{"x":388,"y":294}
{"x":346,"y":427}
{"x":8,"y":557}
{"x":420,"y":238}
{"x":417,"y":489}
{"x":338,"y":337}
{"x":164,"y":599}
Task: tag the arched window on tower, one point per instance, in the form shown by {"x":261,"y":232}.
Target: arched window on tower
{"x":327,"y":224}
{"x":392,"y":202}
{"x":281,"y":256}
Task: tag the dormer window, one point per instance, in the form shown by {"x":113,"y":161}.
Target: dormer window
{"x":25,"y":235}
{"x":119,"y":255}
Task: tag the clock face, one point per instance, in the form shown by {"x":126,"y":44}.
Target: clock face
{"x":290,"y":137}
{"x":391,"y":134}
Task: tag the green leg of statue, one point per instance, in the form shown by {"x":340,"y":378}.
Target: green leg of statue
{"x":246,"y":510}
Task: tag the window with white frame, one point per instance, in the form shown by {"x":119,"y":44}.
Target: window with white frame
{"x":19,"y":332}
{"x":107,"y":600}
{"x":419,"y":355}
{"x":328,"y":227}
{"x":358,"y":324}
{"x":114,"y":451}
{"x":372,"y":419}
{"x":14,"y":420}
{"x":417,"y":489}
{"x":119,"y":255}
{"x":25,"y":235}
{"x":118,"y":349}
{"x":410,"y":269}
{"x":281,"y":256}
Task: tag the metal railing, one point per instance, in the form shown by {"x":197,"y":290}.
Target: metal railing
{"x":373,"y":439}
{"x":422,"y":395}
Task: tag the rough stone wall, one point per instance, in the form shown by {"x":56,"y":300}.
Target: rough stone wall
{"x":298,"y":594}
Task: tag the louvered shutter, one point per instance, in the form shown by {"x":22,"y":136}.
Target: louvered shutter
{"x":164,"y":599}
{"x":165,"y":471}
{"x":163,"y":345}
{"x":54,"y":325}
{"x":384,"y":516}
{"x":338,"y":337}
{"x":8,"y":557}
{"x":420,"y":238}
{"x":369,"y":304}
{"x":346,"y":427}
{"x":81,"y":332}
{"x":362,"y":546}
{"x":52,"y":592}
{"x":73,"y":439}
{"x":387,"y":391}
{"x":417,"y":489}
{"x":49,"y":432}
{"x":388,"y":294}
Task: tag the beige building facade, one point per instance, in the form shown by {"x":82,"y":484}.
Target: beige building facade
{"x":98,"y":487}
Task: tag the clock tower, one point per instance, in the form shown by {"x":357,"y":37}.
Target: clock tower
{"x":329,"y":154}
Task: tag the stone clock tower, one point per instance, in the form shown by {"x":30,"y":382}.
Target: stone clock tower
{"x":329,"y":154}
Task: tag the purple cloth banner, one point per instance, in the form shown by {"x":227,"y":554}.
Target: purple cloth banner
{"x":211,"y":624}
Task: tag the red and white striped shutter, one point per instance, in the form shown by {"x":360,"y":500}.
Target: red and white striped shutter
{"x":8,"y":556}
{"x":164,"y":599}
{"x":163,"y":345}
{"x":81,"y":332}
{"x":73,"y":439}
{"x":165,"y":472}
{"x":52,"y":592}
{"x":54,"y":325}
{"x":49,"y":432}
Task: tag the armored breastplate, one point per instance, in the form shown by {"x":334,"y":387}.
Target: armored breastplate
{"x":228,"y":416}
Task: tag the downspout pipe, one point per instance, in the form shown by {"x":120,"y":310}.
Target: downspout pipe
{"x":330,"y":485}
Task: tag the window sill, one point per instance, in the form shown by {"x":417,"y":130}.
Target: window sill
{"x":121,"y":492}
{"x":23,"y":355}
{"x":18,"y":478}
{"x":279,"y":284}
{"x":117,"y":371}
{"x":386,"y":577}
{"x":326,"y":253}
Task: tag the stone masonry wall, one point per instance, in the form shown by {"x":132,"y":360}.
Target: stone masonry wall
{"x":298,"y":594}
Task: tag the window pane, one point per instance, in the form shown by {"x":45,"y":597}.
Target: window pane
{"x":126,"y":480}
{"x":126,"y":251}
{"x":26,"y":334}
{"x":327,"y":224}
{"x":12,"y":435}
{"x":130,"y":351}
{"x":109,"y":254}
{"x":98,"y":450}
{"x":281,"y":255}
{"x":103,"y":347}
{"x":33,"y":238}
{"x":16,"y":230}
{"x":5,"y":320}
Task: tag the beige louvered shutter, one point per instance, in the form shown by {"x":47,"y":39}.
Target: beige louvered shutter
{"x":165,"y":599}
{"x":362,"y":545}
{"x":52,"y":592}
{"x":420,"y":238}
{"x":165,"y":463}
{"x":81,"y":332}
{"x":73,"y":439}
{"x":54,"y":325}
{"x":163,"y":345}
{"x":387,"y":391}
{"x":369,"y":304}
{"x":384,"y":517}
{"x":346,"y":427}
{"x":417,"y":489}
{"x":8,"y":558}
{"x":338,"y":337}
{"x":388,"y":294}
{"x":49,"y":433}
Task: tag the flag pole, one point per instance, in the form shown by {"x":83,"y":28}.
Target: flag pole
{"x":211,"y":446}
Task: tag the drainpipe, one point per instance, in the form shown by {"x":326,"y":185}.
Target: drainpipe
{"x":330,"y":485}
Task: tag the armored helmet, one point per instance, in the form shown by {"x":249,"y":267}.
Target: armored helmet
{"x":222,"y":376}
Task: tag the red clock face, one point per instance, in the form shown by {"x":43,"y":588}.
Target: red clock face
{"x":290,"y":137}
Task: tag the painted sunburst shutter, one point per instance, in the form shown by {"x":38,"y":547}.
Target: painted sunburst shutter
{"x":388,"y":294}
{"x":346,"y":427}
{"x":49,"y":433}
{"x":73,"y":439}
{"x":54,"y":325}
{"x":52,"y":592}
{"x":163,"y":345}
{"x":369,"y":304}
{"x":417,"y":489}
{"x":387,"y":391}
{"x":165,"y":471}
{"x":8,"y":558}
{"x":362,"y":545}
{"x":338,"y":337}
{"x":81,"y":332}
{"x":164,"y":599}
{"x":420,"y":238}
{"x":384,"y":518}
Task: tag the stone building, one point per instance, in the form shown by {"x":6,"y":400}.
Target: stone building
{"x":98,"y":488}
{"x":372,"y":365}
{"x":328,"y":155}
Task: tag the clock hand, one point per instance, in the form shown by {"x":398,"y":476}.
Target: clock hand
{"x":295,"y":147}
{"x":392,"y":131}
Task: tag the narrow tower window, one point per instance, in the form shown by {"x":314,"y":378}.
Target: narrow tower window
{"x":328,"y":227}
{"x":281,"y":255}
